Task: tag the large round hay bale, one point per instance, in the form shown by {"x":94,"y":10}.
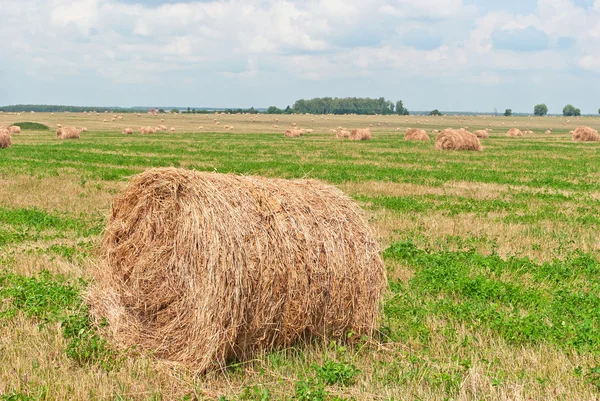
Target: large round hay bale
{"x":127,"y":131}
{"x":585,"y":134}
{"x":461,"y":139}
{"x":204,"y":268}
{"x":514,"y":132}
{"x":361,"y":134}
{"x":293,"y":133}
{"x":67,"y":133}
{"x":5,"y":141}
{"x":415,"y":134}
{"x":14,"y":129}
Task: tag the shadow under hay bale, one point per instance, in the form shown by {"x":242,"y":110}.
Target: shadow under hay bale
{"x":205,"y":268}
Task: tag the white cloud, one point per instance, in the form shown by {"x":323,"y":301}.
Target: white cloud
{"x":291,"y":41}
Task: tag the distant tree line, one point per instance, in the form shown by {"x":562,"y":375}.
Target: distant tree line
{"x":347,"y":105}
{"x":48,"y":108}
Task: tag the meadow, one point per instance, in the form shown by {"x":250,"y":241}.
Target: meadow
{"x":493,"y":258}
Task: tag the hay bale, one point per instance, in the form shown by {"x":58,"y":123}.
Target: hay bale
{"x":83,"y":129}
{"x":172,"y":129}
{"x":585,"y":134}
{"x":67,"y":133}
{"x":147,"y":130}
{"x":5,"y":141}
{"x":415,"y":134}
{"x":342,"y":133}
{"x":14,"y":129}
{"x":548,"y":132}
{"x":483,"y":134}
{"x":128,"y":131}
{"x":293,"y":133}
{"x":204,"y":268}
{"x":451,"y":139}
{"x":360,"y":134}
{"x":514,"y":132}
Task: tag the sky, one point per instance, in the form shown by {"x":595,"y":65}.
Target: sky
{"x":453,"y":55}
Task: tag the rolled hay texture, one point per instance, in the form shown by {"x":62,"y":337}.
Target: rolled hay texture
{"x":450,"y":139}
{"x":585,"y":134}
{"x":205,"y":268}
{"x":415,"y":134}
{"x":128,"y":131}
{"x":293,"y":133}
{"x":67,"y":133}
{"x":514,"y":132}
{"x":483,"y":134}
{"x":5,"y":141}
{"x":342,"y":133}
{"x":361,"y":134}
{"x":14,"y":129}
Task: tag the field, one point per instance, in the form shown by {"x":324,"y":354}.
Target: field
{"x":493,"y":259}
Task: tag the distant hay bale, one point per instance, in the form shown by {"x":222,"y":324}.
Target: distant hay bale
{"x":585,"y":134}
{"x":527,"y":132}
{"x":451,"y":139}
{"x":342,"y":133}
{"x":415,"y":134}
{"x":293,"y":133}
{"x":147,"y":130}
{"x":204,"y":268}
{"x":309,"y":131}
{"x":275,"y":126}
{"x":67,"y":133}
{"x":83,"y":129}
{"x":171,"y":129}
{"x":14,"y":129}
{"x":128,"y":131}
{"x":514,"y":132}
{"x":548,"y":132}
{"x":5,"y":141}
{"x":481,"y":133}
{"x":360,"y":134}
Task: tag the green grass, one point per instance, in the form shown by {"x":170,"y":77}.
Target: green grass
{"x":511,"y":257}
{"x":520,"y":300}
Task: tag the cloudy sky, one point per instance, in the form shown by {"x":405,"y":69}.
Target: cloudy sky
{"x":459,"y":55}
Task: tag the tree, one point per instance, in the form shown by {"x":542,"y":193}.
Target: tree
{"x":435,"y":112}
{"x":400,"y":108}
{"x":162,"y":111}
{"x":175,"y":111}
{"x":274,"y":110}
{"x":570,"y":110}
{"x":507,"y":113}
{"x":288,"y":110}
{"x":598,"y":111}
{"x":540,"y":110}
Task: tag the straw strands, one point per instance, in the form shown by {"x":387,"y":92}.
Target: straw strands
{"x":204,"y":268}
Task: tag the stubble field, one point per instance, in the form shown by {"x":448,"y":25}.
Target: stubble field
{"x":493,"y":258}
